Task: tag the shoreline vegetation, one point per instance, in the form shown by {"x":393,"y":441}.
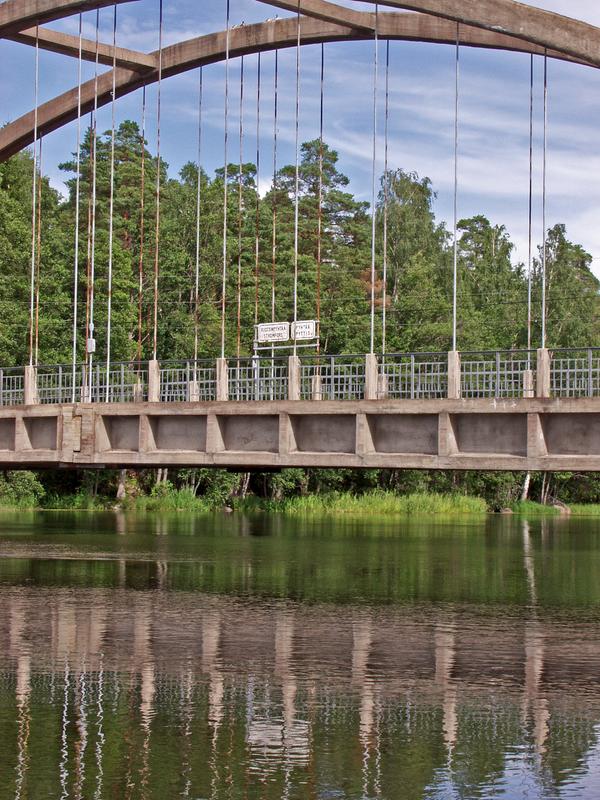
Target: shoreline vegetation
{"x":303,"y":494}
{"x":372,"y":504}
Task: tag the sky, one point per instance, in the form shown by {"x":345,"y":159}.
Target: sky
{"x":493,"y":122}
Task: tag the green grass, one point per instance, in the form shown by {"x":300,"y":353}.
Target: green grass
{"x":380,"y":503}
{"x":528,"y":508}
{"x":585,"y":510}
{"x":174,"y":500}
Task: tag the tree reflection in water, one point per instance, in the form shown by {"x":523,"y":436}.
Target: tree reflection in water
{"x":152,"y":690}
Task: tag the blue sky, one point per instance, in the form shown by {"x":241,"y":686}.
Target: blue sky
{"x":494,"y":116}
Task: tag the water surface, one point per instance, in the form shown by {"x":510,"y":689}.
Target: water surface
{"x":146,"y":656}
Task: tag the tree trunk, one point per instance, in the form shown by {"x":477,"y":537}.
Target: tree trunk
{"x":121,"y":493}
{"x":526,"y":485}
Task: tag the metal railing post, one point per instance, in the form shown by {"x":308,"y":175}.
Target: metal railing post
{"x":590,"y":364}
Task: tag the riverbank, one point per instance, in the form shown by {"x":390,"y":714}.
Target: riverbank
{"x":375,"y":504}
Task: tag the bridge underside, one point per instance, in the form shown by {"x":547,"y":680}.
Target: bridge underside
{"x":432,"y":434}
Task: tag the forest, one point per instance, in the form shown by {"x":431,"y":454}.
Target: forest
{"x":334,"y":246}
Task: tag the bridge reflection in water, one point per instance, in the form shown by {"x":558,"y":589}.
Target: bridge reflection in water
{"x":142,"y":691}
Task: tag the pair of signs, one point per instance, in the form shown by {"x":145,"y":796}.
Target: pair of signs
{"x":271,"y":332}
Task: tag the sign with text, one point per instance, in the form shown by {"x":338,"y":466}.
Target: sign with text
{"x":304,"y":329}
{"x":269,"y":332}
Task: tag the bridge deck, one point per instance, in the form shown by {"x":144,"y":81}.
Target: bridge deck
{"x":490,"y":434}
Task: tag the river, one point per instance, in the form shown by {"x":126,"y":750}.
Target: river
{"x":226,"y":656}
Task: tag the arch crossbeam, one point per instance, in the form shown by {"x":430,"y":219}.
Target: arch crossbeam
{"x":67,"y":45}
{"x":278,"y":34}
{"x":15,"y":15}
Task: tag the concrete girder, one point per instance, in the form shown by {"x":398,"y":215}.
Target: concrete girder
{"x":15,"y":15}
{"x":248,"y":39}
{"x":535,"y":25}
{"x":65,"y":44}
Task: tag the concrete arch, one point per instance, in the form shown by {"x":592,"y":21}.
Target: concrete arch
{"x":18,"y":14}
{"x":432,"y":26}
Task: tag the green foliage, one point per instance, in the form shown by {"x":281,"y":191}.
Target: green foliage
{"x":334,"y":255}
{"x":20,"y":489}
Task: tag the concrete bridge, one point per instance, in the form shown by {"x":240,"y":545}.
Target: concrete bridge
{"x":525,"y":410}
{"x":495,"y":411}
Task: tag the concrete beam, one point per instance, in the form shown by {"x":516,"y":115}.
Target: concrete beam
{"x":513,"y":434}
{"x":328,"y":12}
{"x":546,"y":28}
{"x":15,"y":15}
{"x":270,"y":35}
{"x":67,"y":45}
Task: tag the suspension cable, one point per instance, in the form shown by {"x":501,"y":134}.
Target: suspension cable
{"x":385,"y":200}
{"x":158,"y":170}
{"x":88,"y":264}
{"x":198,"y":208}
{"x":239,"y":220}
{"x":257,"y":208}
{"x":544,"y":181}
{"x":91,"y":344}
{"x":274,"y":210}
{"x":455,"y":225}
{"x":297,"y":174}
{"x":77,"y":198}
{"x":142,"y":228}
{"x":320,"y":199}
{"x":225,"y":177}
{"x":111,"y":208}
{"x":38,"y":256}
{"x":530,"y":220}
{"x":34,"y":193}
{"x":373,"y":176}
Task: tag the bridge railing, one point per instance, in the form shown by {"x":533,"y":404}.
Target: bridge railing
{"x":55,"y":383}
{"x":499,"y":374}
{"x":185,"y":381}
{"x":575,"y":373}
{"x":397,"y":376}
{"x":257,"y":378}
{"x":124,"y":382}
{"x":324,"y":377}
{"x":12,"y":386}
{"x":413,"y":376}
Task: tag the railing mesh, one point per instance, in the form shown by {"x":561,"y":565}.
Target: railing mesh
{"x":332,"y":377}
{"x":575,"y":373}
{"x":497,"y":374}
{"x":258,"y":379}
{"x":12,"y":386}
{"x":182,"y":382}
{"x":413,"y":376}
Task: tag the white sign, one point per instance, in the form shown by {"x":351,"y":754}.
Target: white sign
{"x":304,"y":329}
{"x":273,"y":332}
